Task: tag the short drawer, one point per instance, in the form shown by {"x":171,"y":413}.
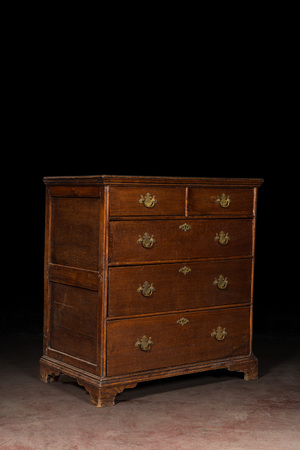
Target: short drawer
{"x":162,"y":240}
{"x":135,"y":345}
{"x":138,"y":290}
{"x":147,"y":201}
{"x":206,"y":201}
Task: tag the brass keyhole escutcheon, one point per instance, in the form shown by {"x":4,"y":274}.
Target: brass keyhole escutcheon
{"x":185,"y":270}
{"x":185,"y":227}
{"x":222,"y":237}
{"x":221,"y":282}
{"x":146,"y":240}
{"x":224,"y":201}
{"x":147,"y":289}
{"x":148,"y":201}
{"x":219,"y":334}
{"x":182,"y":321}
{"x":144,"y":344}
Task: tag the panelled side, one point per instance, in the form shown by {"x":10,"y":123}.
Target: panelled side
{"x":72,"y":266}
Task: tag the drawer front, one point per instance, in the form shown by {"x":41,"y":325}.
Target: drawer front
{"x":135,"y":345}
{"x":138,"y":290}
{"x":147,"y":201}
{"x":225,"y":201}
{"x":163,"y":240}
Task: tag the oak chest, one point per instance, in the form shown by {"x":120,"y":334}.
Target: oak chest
{"x":147,"y":277}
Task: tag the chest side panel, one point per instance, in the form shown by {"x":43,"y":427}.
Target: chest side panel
{"x":72,"y":274}
{"x":75,"y":235}
{"x":73,"y":327}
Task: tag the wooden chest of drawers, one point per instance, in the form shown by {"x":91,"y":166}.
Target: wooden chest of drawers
{"x":147,"y":277}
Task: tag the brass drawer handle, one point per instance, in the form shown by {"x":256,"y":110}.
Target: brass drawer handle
{"x":224,"y":201}
{"x":144,"y":343}
{"x":219,"y":334}
{"x":185,"y":227}
{"x":147,"y":289}
{"x":182,"y":321}
{"x":148,"y":201}
{"x":221,"y":282}
{"x":222,"y":238}
{"x":146,"y":240}
{"x":185,"y":270}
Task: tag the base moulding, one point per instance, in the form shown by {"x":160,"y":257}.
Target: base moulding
{"x":104,"y":390}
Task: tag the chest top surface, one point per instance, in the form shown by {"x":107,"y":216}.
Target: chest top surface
{"x":98,"y":180}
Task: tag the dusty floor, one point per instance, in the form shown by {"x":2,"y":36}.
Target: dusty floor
{"x":213,"y":410}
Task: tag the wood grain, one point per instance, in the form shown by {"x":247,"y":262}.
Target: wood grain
{"x":73,"y":322}
{"x":172,"y":243}
{"x":202,"y":200}
{"x":173,"y":343}
{"x":122,"y":180}
{"x":74,"y":237}
{"x":124,"y":201}
{"x":74,"y":276}
{"x":175,"y":290}
{"x":74,"y":191}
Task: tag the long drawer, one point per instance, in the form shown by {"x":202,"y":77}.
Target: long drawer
{"x":140,"y":344}
{"x":149,"y":288}
{"x":162,"y":240}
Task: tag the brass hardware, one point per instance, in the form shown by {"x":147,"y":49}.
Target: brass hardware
{"x":221,"y":282}
{"x":224,"y":201}
{"x":219,"y":334}
{"x":185,"y":227}
{"x":147,"y":289}
{"x":185,"y":270}
{"x":222,"y":238}
{"x":148,"y":201}
{"x":144,"y":343}
{"x":182,"y":321}
{"x":146,"y":240}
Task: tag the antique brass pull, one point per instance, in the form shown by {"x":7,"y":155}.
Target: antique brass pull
{"x":146,"y":240}
{"x":147,"y":289}
{"x":221,"y":282}
{"x":148,"y":201}
{"x":144,"y":343}
{"x":185,"y":227}
{"x":185,"y":270}
{"x":182,"y":321}
{"x":222,"y":238}
{"x":224,"y":201}
{"x":219,"y":334}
